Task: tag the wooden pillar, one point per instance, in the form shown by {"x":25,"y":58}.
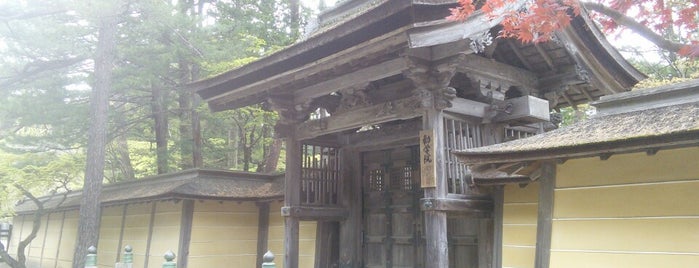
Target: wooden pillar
{"x":185,"y":232}
{"x":437,"y":246}
{"x":432,"y":82}
{"x":262,"y":231}
{"x":351,"y":198}
{"x":544,"y":223}
{"x":292,"y":192}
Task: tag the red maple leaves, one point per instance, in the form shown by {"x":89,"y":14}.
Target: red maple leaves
{"x":540,"y":19}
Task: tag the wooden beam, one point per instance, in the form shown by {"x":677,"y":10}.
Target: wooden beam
{"x":356,"y":53}
{"x":185,"y":232}
{"x":497,"y":71}
{"x":316,"y":213}
{"x":405,"y":133}
{"x":587,"y":94}
{"x":456,"y":205}
{"x":262,"y":231}
{"x":519,"y":54}
{"x":467,"y":107}
{"x":443,"y":31}
{"x":545,"y":215}
{"x":362,"y":76}
{"x":546,"y":57}
{"x":389,"y":111}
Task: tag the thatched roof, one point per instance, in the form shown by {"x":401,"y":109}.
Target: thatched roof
{"x":676,"y":125}
{"x":188,"y":184}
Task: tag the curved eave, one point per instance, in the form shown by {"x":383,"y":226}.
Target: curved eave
{"x":612,"y":73}
{"x":375,"y":22}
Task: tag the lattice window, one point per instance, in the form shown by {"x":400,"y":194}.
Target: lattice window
{"x":459,"y":134}
{"x":376,"y":180}
{"x":402,"y":178}
{"x":320,"y":175}
{"x":514,"y":134}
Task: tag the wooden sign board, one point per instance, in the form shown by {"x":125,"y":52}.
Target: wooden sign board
{"x":428,"y":168}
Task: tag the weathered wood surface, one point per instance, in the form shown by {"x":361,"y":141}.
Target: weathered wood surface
{"x":350,"y":242}
{"x":392,"y":219}
{"x":389,"y":111}
{"x":448,"y":32}
{"x":456,"y":205}
{"x":262,"y":231}
{"x":545,"y":215}
{"x":352,"y":79}
{"x":185,"y":232}
{"x":315,"y":213}
{"x":292,"y":193}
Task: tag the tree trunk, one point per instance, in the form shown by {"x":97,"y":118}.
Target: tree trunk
{"x":158,"y":105}
{"x":89,"y":220}
{"x":185,"y":114}
{"x":197,"y":144}
{"x":122,"y":146}
{"x":122,"y":150}
{"x":295,"y":18}
{"x":272,"y":157}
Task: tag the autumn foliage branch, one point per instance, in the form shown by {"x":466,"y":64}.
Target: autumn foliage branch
{"x":540,"y":19}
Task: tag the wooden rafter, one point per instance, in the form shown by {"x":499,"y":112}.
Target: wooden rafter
{"x":519,"y":54}
{"x":546,"y":57}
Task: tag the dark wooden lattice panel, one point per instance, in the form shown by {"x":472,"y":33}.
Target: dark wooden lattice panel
{"x":320,"y":175}
{"x":402,"y":178}
{"x":459,"y":134}
{"x":515,"y":134}
{"x":376,"y":180}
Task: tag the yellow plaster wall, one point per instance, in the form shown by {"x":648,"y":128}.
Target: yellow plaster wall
{"x":519,"y":225}
{"x":307,"y":238}
{"x":137,"y":221}
{"x":53,"y":232}
{"x":68,"y":237}
{"x":110,"y":231}
{"x":632,"y":210}
{"x":222,"y":233}
{"x":166,"y":231}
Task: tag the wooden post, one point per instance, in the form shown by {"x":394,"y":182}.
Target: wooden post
{"x":292,"y":194}
{"x":262,"y":230}
{"x":433,"y":80}
{"x":351,"y":198}
{"x":169,"y":257}
{"x":544,"y":223}
{"x":91,"y":258}
{"x":437,"y":246}
{"x":268,"y":260}
{"x":185,"y":231}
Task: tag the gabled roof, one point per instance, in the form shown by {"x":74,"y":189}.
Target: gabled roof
{"x":361,"y":33}
{"x":650,"y":119}
{"x":188,"y":184}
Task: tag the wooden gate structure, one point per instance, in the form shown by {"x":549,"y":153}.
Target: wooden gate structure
{"x":373,"y":101}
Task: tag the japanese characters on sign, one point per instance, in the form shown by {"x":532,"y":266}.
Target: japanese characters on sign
{"x":428,"y":175}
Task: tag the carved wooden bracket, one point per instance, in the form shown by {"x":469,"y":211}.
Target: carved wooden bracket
{"x":432,"y":79}
{"x":354,"y":97}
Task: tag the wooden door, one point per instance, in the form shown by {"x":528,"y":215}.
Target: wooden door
{"x":393,"y":226}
